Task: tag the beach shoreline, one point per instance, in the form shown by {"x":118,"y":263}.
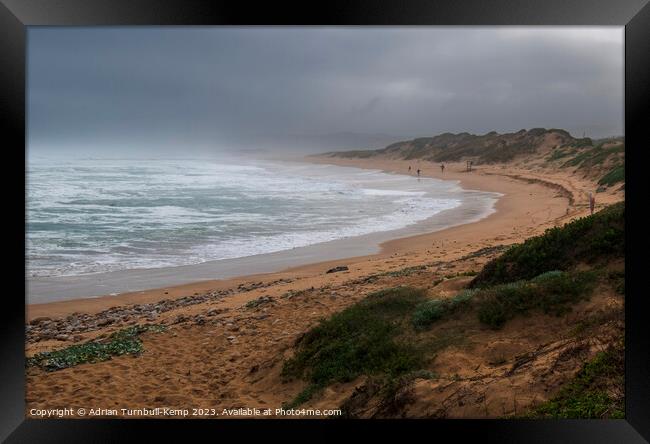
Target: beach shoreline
{"x":515,"y":217}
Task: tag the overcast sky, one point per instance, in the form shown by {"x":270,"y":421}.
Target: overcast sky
{"x":206,"y":89}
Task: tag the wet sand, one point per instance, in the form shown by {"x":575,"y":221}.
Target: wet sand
{"x":219,"y":351}
{"x":475,"y":206}
{"x":525,"y":209}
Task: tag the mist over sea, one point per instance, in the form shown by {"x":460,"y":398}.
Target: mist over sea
{"x":93,"y":216}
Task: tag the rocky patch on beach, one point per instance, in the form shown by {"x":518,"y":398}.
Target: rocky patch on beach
{"x":338,"y":269}
{"x":71,"y":327}
{"x":234,"y":353}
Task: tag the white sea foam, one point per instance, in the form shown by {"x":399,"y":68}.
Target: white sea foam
{"x":92,"y":216}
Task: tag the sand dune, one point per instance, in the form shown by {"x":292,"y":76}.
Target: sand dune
{"x":220,"y":353}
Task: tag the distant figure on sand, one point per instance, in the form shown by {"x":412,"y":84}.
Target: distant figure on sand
{"x":442,"y":167}
{"x":409,"y":168}
{"x":592,"y":203}
{"x":418,"y":172}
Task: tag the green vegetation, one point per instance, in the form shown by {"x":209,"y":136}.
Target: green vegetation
{"x":595,"y":156}
{"x":304,"y":396}
{"x":122,"y":342}
{"x":612,"y":156}
{"x":581,"y":154}
{"x":561,"y":153}
{"x":584,"y":153}
{"x":583,"y":142}
{"x":386,"y":336}
{"x":589,"y":239}
{"x":595,"y":392}
{"x":594,"y":321}
{"x":428,"y":312}
{"x":615,"y":175}
{"x":551,"y":292}
{"x":486,"y":148}
{"x":617,"y":279}
{"x":378,"y":336}
{"x":362,"y":339}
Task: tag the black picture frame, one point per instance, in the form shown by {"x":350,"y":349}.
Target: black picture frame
{"x":17,"y":15}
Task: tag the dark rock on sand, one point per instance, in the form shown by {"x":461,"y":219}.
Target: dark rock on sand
{"x":40,"y":320}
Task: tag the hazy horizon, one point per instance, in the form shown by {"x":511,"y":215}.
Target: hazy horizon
{"x":201,"y":91}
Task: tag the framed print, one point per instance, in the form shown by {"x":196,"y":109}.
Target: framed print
{"x":363,"y":216}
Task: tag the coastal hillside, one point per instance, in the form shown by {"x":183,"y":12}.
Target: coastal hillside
{"x":600,"y":160}
{"x":538,"y":333}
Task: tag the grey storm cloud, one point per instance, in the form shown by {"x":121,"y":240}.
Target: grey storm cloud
{"x":220,"y":88}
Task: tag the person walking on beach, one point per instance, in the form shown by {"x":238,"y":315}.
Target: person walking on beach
{"x":442,"y":167}
{"x":409,"y":168}
{"x":418,"y":172}
{"x":592,"y":203}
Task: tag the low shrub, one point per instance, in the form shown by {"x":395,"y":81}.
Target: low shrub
{"x":430,"y":311}
{"x":614,"y":176}
{"x":591,"y":239}
{"x":595,"y":392}
{"x":552,"y":292}
{"x":358,"y":340}
{"x":122,"y":342}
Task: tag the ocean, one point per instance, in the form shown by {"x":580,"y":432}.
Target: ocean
{"x":93,"y":216}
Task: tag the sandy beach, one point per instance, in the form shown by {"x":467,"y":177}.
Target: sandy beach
{"x":288,"y":223}
{"x":524,"y":210}
{"x":226,"y":340}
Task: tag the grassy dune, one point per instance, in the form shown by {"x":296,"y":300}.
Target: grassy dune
{"x":385,"y":336}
